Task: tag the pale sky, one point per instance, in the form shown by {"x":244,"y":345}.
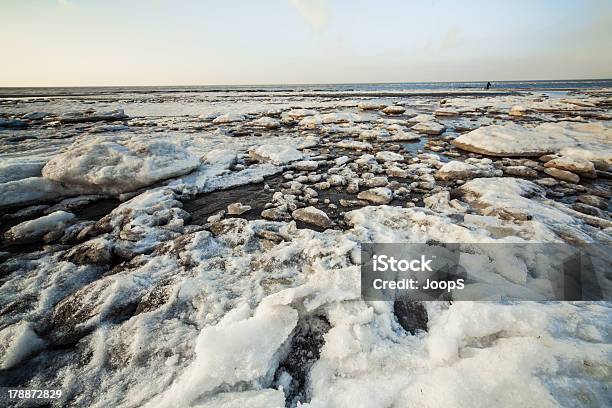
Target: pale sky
{"x":190,"y":42}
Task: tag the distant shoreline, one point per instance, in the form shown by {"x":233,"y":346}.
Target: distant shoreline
{"x":316,"y":90}
{"x":289,"y":94}
{"x":292,"y":85}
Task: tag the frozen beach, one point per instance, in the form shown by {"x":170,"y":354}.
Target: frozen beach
{"x":200,"y":246}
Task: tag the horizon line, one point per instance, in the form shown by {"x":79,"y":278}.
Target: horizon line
{"x":307,"y":83}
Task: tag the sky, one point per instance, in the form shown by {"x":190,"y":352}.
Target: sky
{"x":200,"y":42}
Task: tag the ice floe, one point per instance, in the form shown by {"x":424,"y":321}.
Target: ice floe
{"x":148,"y":306}
{"x":591,"y":141}
{"x":576,"y":165}
{"x":428,"y":128}
{"x":118,"y":166}
{"x":92,"y":116}
{"x":11,"y":170}
{"x":34,"y":230}
{"x":228,"y":118}
{"x":312,"y":215}
{"x":379,"y":195}
{"x":471,"y":168}
{"x":394,"y":110}
{"x":276,"y":154}
{"x":266,"y":122}
{"x":33,"y":190}
{"x":354,"y":144}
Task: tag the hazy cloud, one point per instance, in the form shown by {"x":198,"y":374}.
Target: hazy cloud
{"x":451,"y":39}
{"x":315,"y":12}
{"x":65,"y":3}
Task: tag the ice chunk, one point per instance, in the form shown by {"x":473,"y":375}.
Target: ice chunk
{"x":237,"y":208}
{"x":562,"y":175}
{"x":421,"y":118}
{"x":232,"y":352}
{"x":78,"y":117}
{"x":335,"y":117}
{"x":524,"y":202}
{"x":114,"y":167}
{"x":446,"y":111}
{"x":312,"y":215}
{"x":394,"y":110}
{"x":253,"y":399}
{"x":306,"y":165}
{"x":34,"y":230}
{"x":576,"y":165}
{"x":517,"y":110}
{"x":370,"y":106}
{"x":379,"y":195}
{"x":456,"y":170}
{"x":12,"y":123}
{"x":429,"y":128}
{"x":221,"y":157}
{"x":373,"y":134}
{"x":275,"y":153}
{"x":389,"y":156}
{"x":32,"y":190}
{"x":438,"y":202}
{"x":311,"y":122}
{"x":300,"y":113}
{"x":354,"y":144}
{"x":308,"y":141}
{"x":266,"y":122}
{"x":593,"y":139}
{"x":36,"y":115}
{"x":228,"y":118}
{"x":401,"y":136}
{"x":17,"y":342}
{"x":11,"y":170}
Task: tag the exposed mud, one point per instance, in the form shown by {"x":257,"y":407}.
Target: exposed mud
{"x":292,"y":372}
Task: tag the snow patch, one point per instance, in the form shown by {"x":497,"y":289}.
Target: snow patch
{"x":231,"y":352}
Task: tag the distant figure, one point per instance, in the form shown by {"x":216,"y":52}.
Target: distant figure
{"x":488,"y":85}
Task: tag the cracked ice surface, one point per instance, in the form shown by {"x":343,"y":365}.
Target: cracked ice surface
{"x":150,"y":304}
